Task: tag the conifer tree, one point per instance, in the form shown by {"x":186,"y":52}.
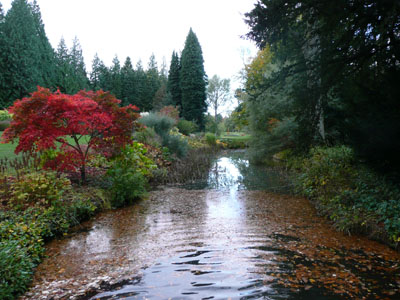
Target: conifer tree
{"x":95,"y":75}
{"x":193,"y":81}
{"x":21,"y":73}
{"x":116,"y":82}
{"x":174,"y":82}
{"x":3,"y":52}
{"x":47,"y":66}
{"x":128,"y":83}
{"x":78,"y":66}
{"x":64,"y":81}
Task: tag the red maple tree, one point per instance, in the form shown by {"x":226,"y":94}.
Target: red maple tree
{"x":79,"y":123}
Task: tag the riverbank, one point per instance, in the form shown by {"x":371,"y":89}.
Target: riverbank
{"x":353,"y":197}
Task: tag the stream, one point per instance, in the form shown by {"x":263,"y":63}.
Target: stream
{"x":238,"y":235}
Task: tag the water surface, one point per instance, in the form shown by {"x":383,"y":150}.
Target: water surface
{"x":230,"y":237}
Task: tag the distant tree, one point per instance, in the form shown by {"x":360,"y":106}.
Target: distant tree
{"x":65,"y":73}
{"x":160,"y":98}
{"x":218,"y":93}
{"x":78,"y":66}
{"x":141,"y":84}
{"x":128,"y":92}
{"x":174,"y":80}
{"x":95,"y":75}
{"x":193,"y":81}
{"x":116,"y":80}
{"x":152,"y":82}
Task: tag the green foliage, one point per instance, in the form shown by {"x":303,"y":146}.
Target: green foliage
{"x":5,"y":115}
{"x":147,"y":136}
{"x":160,"y":123}
{"x":186,"y":127}
{"x":129,"y":173}
{"x":193,"y":81}
{"x":354,"y":197}
{"x":42,"y":188}
{"x":16,"y":269}
{"x":174,"y":80}
{"x":211,"y":139}
{"x":176,"y":144}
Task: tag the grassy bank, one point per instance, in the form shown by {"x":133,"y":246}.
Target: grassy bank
{"x":235,"y":140}
{"x":353,"y":197}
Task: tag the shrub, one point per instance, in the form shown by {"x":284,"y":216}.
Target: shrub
{"x":160,"y":123}
{"x":147,"y":136}
{"x":128,"y":174}
{"x":176,"y":145}
{"x":16,"y":269}
{"x":211,"y":139}
{"x":354,"y":197}
{"x":43,"y":188}
{"x":187,"y":127}
{"x":170,"y":111}
{"x":5,"y":115}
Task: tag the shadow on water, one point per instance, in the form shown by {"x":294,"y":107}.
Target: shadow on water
{"x":223,"y":267}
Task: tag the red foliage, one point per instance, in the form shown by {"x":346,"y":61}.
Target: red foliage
{"x":91,"y":120}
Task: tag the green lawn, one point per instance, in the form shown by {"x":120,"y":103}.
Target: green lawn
{"x":7,"y":150}
{"x":239,"y":136}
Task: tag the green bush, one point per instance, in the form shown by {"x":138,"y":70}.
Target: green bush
{"x":187,"y":127}
{"x":176,"y":145}
{"x":147,"y":136}
{"x":128,"y":174}
{"x":160,"y":123}
{"x":16,"y":269}
{"x":5,"y":116}
{"x":211,"y":139}
{"x":41,"y":188}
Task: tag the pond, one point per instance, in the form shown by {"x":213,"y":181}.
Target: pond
{"x":240,"y":234}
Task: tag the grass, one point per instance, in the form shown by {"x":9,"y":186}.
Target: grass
{"x":235,"y":140}
{"x":7,"y":150}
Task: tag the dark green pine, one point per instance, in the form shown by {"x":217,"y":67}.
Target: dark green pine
{"x":174,"y":81}
{"x":22,"y":64}
{"x":193,"y":81}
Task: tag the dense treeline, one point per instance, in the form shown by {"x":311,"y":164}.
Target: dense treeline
{"x":27,"y":60}
{"x":327,"y":74}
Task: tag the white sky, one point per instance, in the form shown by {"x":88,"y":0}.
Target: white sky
{"x":138,"y":28}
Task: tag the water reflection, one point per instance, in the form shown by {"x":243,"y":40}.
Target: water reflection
{"x":235,"y":172}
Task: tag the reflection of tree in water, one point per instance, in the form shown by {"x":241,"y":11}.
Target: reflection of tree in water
{"x":256,"y":177}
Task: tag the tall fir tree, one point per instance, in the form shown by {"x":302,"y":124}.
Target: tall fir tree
{"x":22,"y":64}
{"x":116,"y":80}
{"x":2,"y":60}
{"x":193,"y":81}
{"x":47,"y":67}
{"x":152,"y":82}
{"x":174,"y":81}
{"x":65,"y":72}
{"x":78,"y":66}
{"x":95,"y":75}
{"x":140,"y":83}
{"x":128,"y":82}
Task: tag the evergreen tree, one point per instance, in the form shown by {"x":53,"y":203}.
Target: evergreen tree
{"x":128,"y":82}
{"x":3,"y":43}
{"x":47,"y":66}
{"x":140,"y":83}
{"x":152,"y":82}
{"x":22,"y":64}
{"x":193,"y":81}
{"x":116,"y":80}
{"x":174,"y":82}
{"x":78,"y":66}
{"x":65,"y":73}
{"x":95,"y":75}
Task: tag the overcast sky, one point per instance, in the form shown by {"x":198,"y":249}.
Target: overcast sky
{"x":138,"y":28}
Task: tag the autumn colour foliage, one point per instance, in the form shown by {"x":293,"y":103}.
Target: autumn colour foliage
{"x":81,"y":123}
